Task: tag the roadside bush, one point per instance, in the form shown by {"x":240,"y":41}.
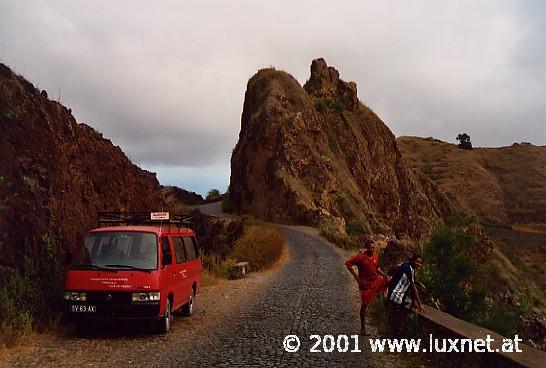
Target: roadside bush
{"x":331,"y":232}
{"x":504,"y":319}
{"x":15,"y":310}
{"x":227,"y":205}
{"x":452,"y":273}
{"x":344,"y":206}
{"x":228,"y":269}
{"x":223,"y":268}
{"x":30,"y":297}
{"x":213,"y":194}
{"x":356,"y":227}
{"x":261,"y":245}
{"x":458,"y":274}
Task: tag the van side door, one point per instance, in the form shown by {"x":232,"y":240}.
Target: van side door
{"x":167,"y":271}
{"x":193,"y":264}
{"x":181,"y":272}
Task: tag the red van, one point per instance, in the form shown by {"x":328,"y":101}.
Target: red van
{"x":138,"y":266}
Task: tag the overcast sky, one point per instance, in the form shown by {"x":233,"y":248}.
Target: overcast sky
{"x":166,"y":82}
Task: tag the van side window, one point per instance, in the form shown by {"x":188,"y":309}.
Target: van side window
{"x":179,"y":250}
{"x":195,"y":245}
{"x":166,"y":248}
{"x":190,"y":249}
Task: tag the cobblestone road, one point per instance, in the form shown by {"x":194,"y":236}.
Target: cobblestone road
{"x":238,"y":324}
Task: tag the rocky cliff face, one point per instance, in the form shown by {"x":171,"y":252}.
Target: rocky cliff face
{"x":317,"y":155}
{"x":55,"y":174}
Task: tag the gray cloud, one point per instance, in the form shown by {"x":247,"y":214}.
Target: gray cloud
{"x":167,"y":81}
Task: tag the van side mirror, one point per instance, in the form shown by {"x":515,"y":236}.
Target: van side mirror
{"x":167,"y":259}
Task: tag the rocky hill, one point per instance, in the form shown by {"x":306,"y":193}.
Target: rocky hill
{"x":504,"y":185}
{"x":316,"y":154}
{"x":181,"y":196}
{"x":55,"y":174}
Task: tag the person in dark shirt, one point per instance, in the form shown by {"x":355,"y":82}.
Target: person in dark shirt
{"x":370,"y":278}
{"x":403,"y":282}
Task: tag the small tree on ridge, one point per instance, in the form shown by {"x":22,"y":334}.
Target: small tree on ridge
{"x":464,"y":141}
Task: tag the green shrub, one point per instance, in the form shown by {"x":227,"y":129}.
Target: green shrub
{"x":31,"y":183}
{"x":340,"y":104}
{"x":356,"y":227}
{"x":453,"y":275}
{"x":261,"y":245}
{"x":229,"y":270}
{"x":15,"y":308}
{"x":458,"y":275}
{"x":210,"y":262}
{"x":321,"y":104}
{"x":334,"y":147}
{"x":213,"y":194}
{"x":328,"y":229}
{"x":227,"y":204}
{"x":8,"y":114}
{"x":343,"y":203}
{"x":218,"y":267}
{"x":15,"y":112}
{"x":503,"y":319}
{"x":31,"y":296}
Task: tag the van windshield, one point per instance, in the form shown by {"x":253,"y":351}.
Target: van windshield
{"x":122,"y":250}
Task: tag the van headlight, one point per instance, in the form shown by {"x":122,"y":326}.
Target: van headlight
{"x":146,"y":297}
{"x":75,"y":296}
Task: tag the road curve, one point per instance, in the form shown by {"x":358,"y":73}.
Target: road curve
{"x":240,"y":323}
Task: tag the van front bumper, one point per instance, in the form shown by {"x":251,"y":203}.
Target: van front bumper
{"x":105,"y":305}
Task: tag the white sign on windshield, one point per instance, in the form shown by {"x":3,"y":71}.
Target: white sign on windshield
{"x":159,"y":215}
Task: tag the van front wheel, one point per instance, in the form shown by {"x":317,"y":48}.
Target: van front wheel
{"x":167,"y":319}
{"x":188,"y":308}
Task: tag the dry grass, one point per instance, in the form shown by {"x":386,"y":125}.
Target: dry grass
{"x":208,"y":278}
{"x":261,"y":245}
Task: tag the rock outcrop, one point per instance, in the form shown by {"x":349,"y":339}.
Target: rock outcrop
{"x":55,"y":174}
{"x":317,"y":155}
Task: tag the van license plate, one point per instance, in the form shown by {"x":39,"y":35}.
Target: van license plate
{"x":83,"y":308}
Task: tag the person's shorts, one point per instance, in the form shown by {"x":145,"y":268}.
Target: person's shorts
{"x":368,"y":293}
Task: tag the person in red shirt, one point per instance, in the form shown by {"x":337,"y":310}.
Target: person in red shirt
{"x":370,"y":278}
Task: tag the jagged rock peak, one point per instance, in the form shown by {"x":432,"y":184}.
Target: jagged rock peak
{"x":317,"y":155}
{"x":324,"y":82}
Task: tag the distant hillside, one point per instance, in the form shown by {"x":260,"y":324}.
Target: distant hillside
{"x":505,"y":185}
{"x":177,"y":195}
{"x":316,"y":154}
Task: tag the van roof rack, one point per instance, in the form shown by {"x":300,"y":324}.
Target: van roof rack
{"x":143,"y":218}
